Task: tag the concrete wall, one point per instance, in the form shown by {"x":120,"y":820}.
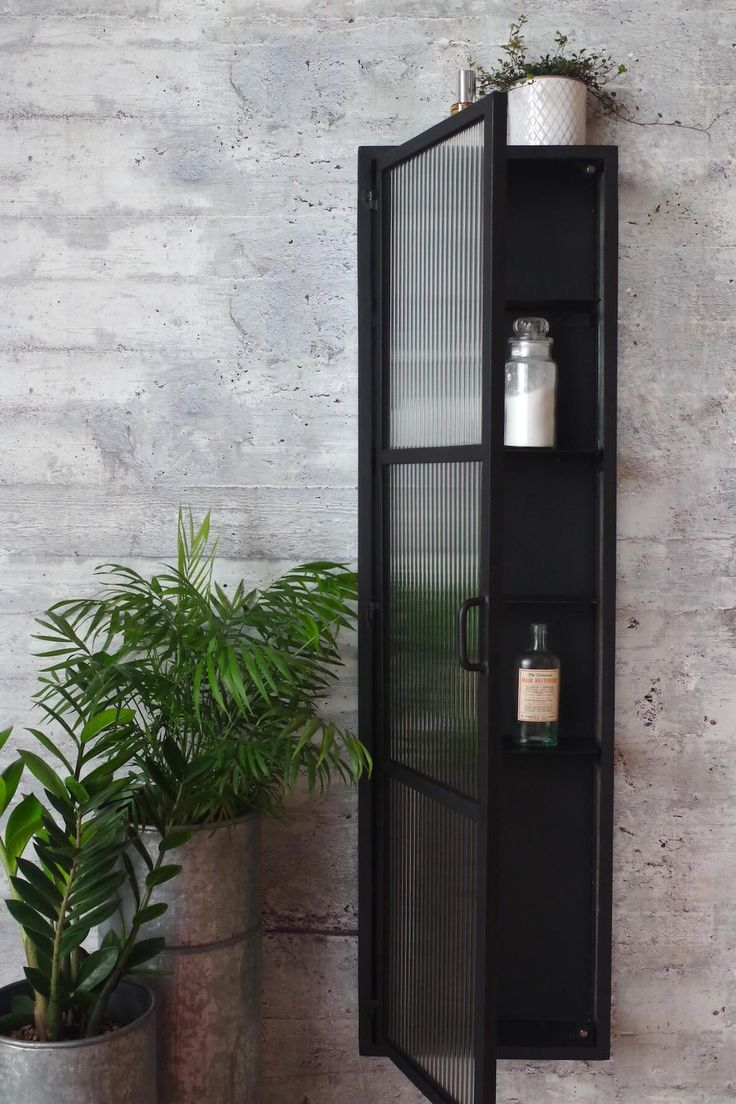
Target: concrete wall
{"x":178,"y":324}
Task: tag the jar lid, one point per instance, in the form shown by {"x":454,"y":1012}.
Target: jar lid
{"x":532,"y":329}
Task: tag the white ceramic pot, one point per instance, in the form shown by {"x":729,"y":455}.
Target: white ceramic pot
{"x":547,"y":111}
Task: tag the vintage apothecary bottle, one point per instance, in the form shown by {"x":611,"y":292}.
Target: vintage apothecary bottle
{"x":537,"y":693}
{"x":531,"y":387}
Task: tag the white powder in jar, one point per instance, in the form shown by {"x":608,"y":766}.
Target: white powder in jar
{"x":530,"y":418}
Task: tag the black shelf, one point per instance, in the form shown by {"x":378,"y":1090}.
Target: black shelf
{"x":550,"y":600}
{"x":554,"y":306}
{"x":556,"y":453}
{"x":566,"y":748}
{"x":546,"y":1039}
{"x":584,"y":154}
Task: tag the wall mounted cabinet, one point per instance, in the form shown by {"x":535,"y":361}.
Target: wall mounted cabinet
{"x":485,"y":869}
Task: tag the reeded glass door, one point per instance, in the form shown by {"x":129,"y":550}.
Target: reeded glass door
{"x":429,"y":575}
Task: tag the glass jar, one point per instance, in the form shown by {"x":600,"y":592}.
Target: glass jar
{"x":531,"y":387}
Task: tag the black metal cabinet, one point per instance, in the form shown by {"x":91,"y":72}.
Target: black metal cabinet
{"x":485,"y":871}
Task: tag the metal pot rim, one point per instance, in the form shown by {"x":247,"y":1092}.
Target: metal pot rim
{"x":96,"y":1040}
{"x":211,"y":826}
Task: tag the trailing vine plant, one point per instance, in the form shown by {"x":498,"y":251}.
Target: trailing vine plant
{"x":596,"y":70}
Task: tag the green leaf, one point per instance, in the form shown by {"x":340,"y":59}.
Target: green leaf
{"x":177,"y":837}
{"x":23,"y":1004}
{"x":48,"y":777}
{"x":95,"y":968}
{"x":173,"y":758}
{"x":38,"y":980}
{"x":104,"y":720}
{"x":149,"y":913}
{"x":237,"y":686}
{"x":214,"y":683}
{"x":140,"y":847}
{"x":9,"y":780}
{"x":93,"y":892}
{"x":4,"y":735}
{"x":111,"y":939}
{"x":74,"y":937}
{"x":132,"y":879}
{"x":144,"y":950}
{"x":43,"y":882}
{"x":101,"y":913}
{"x":196,"y":688}
{"x":51,"y":747}
{"x":252,"y":670}
{"x":29,"y":919}
{"x":23,"y":822}
{"x":38,"y":901}
{"x":20,"y":1015}
{"x":77,"y":790}
{"x":161,"y":875}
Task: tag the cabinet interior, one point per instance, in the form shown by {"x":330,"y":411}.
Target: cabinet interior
{"x":549,"y":799}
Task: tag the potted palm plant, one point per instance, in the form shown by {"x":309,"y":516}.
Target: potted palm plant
{"x":225,"y":688}
{"x":77,"y":1030}
{"x":548,"y":95}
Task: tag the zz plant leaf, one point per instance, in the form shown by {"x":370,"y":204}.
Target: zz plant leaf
{"x":80,"y":833}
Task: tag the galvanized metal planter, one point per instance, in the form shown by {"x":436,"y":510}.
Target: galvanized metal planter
{"x":116,"y":1068}
{"x":208,"y":1004}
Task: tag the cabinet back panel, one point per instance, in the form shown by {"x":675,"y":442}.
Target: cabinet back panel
{"x":546,"y":889}
{"x":550,"y":528}
{"x":551,"y":227}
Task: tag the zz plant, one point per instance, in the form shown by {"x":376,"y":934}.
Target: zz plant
{"x":225,"y":687}
{"x":80,"y":833}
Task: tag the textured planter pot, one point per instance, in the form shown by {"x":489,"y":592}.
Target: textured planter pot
{"x":208,"y":1003}
{"x":547,"y":111}
{"x":116,"y":1068}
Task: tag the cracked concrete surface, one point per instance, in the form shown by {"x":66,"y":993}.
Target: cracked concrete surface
{"x":177,"y":190}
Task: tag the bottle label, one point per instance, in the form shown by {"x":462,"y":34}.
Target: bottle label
{"x":539,"y":694}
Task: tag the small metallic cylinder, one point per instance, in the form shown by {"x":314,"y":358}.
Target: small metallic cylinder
{"x":466,"y":86}
{"x":118,"y":1067}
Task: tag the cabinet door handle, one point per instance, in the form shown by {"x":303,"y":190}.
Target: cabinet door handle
{"x":462,"y":634}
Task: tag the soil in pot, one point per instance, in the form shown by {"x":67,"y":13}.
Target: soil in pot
{"x":29,"y":1033}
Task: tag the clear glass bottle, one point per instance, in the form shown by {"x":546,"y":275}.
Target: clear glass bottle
{"x":537,"y":693}
{"x":531,"y":387}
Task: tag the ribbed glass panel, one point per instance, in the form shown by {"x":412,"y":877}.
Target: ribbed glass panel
{"x":430,"y":945}
{"x":435,"y":294}
{"x":433,"y":518}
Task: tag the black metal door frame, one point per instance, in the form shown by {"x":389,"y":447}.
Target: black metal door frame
{"x":373,"y":232}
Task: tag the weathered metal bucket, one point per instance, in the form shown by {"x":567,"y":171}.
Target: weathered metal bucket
{"x":116,"y":1068}
{"x":208,"y":1002}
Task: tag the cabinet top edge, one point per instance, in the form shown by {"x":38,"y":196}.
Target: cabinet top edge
{"x":524,"y":153}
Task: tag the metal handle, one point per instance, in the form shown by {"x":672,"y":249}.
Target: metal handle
{"x":462,"y":634}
